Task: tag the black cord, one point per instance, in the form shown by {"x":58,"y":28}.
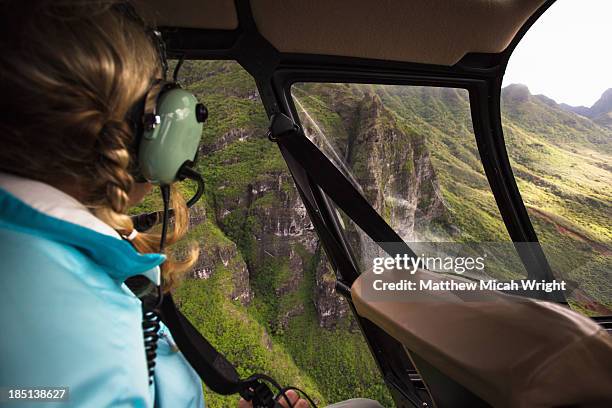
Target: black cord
{"x":283,"y":391}
{"x":191,"y":174}
{"x":150,"y":331}
{"x":150,"y":318}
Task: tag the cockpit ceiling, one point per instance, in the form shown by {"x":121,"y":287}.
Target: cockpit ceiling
{"x":424,"y":31}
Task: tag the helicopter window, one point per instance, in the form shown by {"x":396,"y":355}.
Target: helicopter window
{"x":262,"y":290}
{"x":411,"y":150}
{"x":557,"y":122}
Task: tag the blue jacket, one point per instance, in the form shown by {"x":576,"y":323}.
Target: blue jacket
{"x":67,"y":318}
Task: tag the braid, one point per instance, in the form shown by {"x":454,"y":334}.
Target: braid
{"x":111,"y":167}
{"x":111,"y":172}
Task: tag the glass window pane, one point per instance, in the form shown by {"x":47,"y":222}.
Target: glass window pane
{"x":411,"y":150}
{"x":557,"y":123}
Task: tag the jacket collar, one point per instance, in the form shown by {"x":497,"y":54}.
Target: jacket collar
{"x":37,"y":208}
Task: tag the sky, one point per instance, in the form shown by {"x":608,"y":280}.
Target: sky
{"x":567,"y":53}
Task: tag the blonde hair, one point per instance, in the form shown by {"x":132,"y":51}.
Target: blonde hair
{"x":70,"y":74}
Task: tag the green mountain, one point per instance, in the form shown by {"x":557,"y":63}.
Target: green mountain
{"x":262,"y":290}
{"x":563,"y":165}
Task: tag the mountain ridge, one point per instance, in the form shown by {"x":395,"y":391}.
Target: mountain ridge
{"x":600,"y":112}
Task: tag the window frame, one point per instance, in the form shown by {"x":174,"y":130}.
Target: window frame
{"x":493,"y":156}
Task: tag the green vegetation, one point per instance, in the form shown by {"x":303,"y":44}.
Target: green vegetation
{"x":412,"y":151}
{"x":337,"y":359}
{"x":563,"y":164}
{"x":237,"y":334}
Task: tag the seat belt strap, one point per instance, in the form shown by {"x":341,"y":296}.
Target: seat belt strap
{"x":289,"y":136}
{"x":212,"y":367}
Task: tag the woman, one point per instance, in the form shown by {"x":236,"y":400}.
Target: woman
{"x":71,"y":72}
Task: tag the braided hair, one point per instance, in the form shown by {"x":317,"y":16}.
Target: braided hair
{"x":71,"y":71}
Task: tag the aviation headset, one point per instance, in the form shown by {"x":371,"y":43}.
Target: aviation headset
{"x":168,"y":128}
{"x":167,"y":124}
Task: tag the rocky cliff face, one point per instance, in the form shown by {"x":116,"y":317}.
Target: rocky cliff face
{"x":262,"y":226}
{"x":331,"y":308}
{"x":216,"y":253}
{"x":282,"y":219}
{"x":267,"y":222}
{"x":391,"y":165}
{"x":278,"y":232}
{"x":398,"y":177}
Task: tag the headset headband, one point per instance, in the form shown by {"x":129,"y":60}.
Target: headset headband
{"x":127,"y":10}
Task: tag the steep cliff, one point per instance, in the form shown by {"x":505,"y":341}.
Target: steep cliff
{"x":390,"y":164}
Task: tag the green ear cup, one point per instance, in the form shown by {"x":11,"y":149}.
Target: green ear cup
{"x":175,"y":138}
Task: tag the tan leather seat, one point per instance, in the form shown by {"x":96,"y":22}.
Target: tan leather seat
{"x":508,"y":351}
